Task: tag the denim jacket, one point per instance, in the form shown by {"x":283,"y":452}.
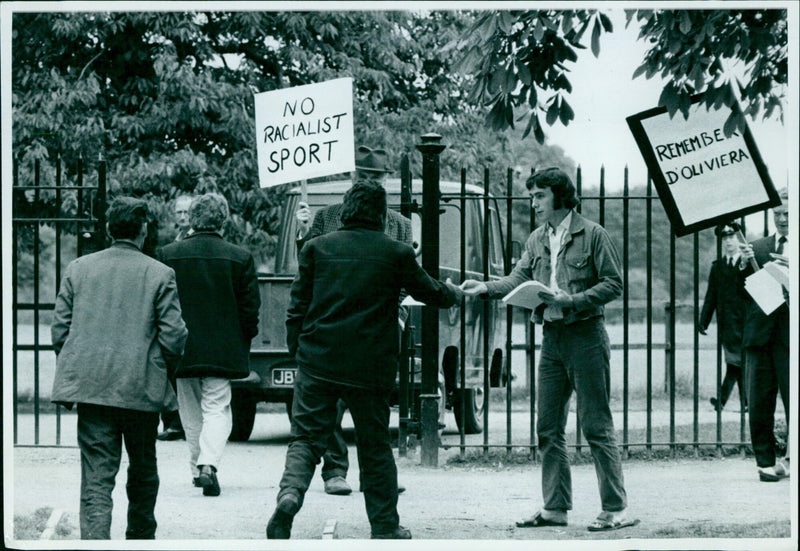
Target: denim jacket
{"x":588,"y":269}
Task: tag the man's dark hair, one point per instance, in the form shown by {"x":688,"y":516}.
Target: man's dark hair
{"x":564,"y":195}
{"x":125,"y":217}
{"x":365,"y":203}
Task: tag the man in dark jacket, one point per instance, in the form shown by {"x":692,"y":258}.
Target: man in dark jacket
{"x":219,"y":297}
{"x":117,"y":329}
{"x":726,"y":296}
{"x":342,"y":330}
{"x":766,"y":342}
{"x":371,"y":165}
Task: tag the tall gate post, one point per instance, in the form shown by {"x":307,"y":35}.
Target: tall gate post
{"x":431,"y":147}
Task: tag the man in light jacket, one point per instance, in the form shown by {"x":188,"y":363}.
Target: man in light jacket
{"x":117,"y":329}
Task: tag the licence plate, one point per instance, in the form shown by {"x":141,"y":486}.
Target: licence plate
{"x":283,"y":377}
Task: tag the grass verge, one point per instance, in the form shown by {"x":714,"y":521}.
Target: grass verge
{"x":30,"y":527}
{"x":769,"y":529}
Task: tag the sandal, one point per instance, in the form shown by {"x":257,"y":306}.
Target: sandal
{"x":537,"y":520}
{"x":605,"y":525}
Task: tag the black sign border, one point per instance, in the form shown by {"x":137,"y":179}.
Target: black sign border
{"x":662,"y":187}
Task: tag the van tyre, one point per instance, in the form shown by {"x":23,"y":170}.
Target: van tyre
{"x":243,"y":411}
{"x":289,"y":410}
{"x":473,"y":410}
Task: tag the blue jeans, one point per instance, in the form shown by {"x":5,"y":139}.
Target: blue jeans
{"x":576,"y":357}
{"x":101,"y":431}
{"x":314,"y":416}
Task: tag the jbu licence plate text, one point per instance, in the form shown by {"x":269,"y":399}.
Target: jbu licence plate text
{"x":283,"y":377}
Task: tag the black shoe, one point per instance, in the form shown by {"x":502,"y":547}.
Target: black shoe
{"x":171,"y":434}
{"x":716,"y":404}
{"x":208,"y":480}
{"x":398,"y":533}
{"x":279,"y":526}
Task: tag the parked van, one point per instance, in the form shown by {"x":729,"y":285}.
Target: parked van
{"x":273,"y":371}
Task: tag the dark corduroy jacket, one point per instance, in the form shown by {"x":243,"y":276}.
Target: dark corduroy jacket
{"x":218,"y":290}
{"x":342,"y":322}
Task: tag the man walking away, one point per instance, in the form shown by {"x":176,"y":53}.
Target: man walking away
{"x":372,"y":165}
{"x":219,"y":297}
{"x":342,"y":330}
{"x":117,"y":330}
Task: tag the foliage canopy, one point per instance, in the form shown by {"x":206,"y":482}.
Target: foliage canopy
{"x":520,"y":60}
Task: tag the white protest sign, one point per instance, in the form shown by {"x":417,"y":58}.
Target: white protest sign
{"x":702,"y":176}
{"x":304,"y":132}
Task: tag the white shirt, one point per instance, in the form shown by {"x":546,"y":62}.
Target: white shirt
{"x":557,"y":237}
{"x":732,"y":260}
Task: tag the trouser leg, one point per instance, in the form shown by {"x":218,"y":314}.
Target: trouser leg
{"x":740,"y":384}
{"x":553,"y":394}
{"x":215,"y":403}
{"x":100,"y":442}
{"x":589,"y":370}
{"x":335,"y":461}
{"x":762,"y":388}
{"x":732,"y":376}
{"x":171,"y":418}
{"x":780,"y":362}
{"x":313,"y":420}
{"x":370,"y":411}
{"x":139,"y":432}
{"x":189,"y":399}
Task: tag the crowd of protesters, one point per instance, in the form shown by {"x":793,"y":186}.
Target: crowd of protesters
{"x":126,"y":324}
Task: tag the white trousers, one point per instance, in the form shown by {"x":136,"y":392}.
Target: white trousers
{"x":204,"y":404}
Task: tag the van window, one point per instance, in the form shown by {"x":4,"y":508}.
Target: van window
{"x":449,"y":236}
{"x":496,"y":251}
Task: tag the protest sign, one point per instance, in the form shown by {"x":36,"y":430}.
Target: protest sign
{"x":702,"y":176}
{"x":304,"y":132}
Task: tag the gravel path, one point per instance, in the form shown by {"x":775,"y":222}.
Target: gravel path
{"x":451,"y":502}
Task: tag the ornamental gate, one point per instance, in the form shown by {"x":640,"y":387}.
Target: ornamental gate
{"x":659,"y":405}
{"x":56,"y":217}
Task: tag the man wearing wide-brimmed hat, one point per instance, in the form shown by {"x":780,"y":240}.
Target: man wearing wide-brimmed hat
{"x":371,"y":165}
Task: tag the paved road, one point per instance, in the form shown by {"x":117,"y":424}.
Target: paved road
{"x":447,"y":503}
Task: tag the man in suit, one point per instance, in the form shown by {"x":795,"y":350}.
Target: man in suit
{"x":219,"y":298}
{"x":170,"y":418}
{"x":371,"y":166}
{"x":726,"y":296}
{"x":342,"y":330}
{"x":117,"y":330}
{"x":766,"y":342}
